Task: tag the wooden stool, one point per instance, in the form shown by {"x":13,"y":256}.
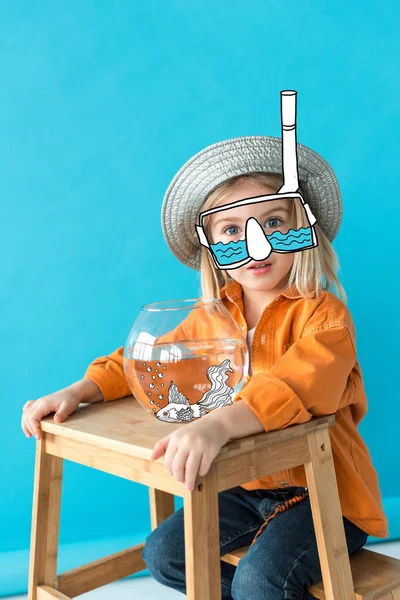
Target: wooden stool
{"x":118,"y":437}
{"x":375,"y":576}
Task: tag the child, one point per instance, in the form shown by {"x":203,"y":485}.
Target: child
{"x":303,"y":363}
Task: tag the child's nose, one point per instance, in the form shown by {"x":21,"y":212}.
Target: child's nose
{"x":258,"y":247}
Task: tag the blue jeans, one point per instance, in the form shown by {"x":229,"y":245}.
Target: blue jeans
{"x":279,"y":566}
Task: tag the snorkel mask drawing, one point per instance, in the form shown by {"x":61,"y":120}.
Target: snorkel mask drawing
{"x":256,"y":244}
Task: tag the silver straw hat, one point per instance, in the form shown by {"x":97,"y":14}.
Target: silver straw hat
{"x":237,"y":156}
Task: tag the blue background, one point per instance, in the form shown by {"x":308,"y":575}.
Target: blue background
{"x":101,"y":103}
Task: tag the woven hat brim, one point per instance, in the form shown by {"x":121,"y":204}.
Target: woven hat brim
{"x":237,"y":156}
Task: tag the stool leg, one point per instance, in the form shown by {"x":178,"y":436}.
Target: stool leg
{"x":45,"y":519}
{"x":161,"y":506}
{"x":327,"y":517}
{"x":202,"y":554}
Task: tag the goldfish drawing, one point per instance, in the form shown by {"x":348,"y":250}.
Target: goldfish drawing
{"x":220,"y":394}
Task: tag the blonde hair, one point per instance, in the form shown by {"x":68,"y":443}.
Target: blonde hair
{"x":313,"y":270}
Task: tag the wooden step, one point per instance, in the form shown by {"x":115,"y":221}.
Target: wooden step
{"x":375,"y":576}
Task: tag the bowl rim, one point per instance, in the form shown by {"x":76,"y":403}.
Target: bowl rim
{"x":196,"y":303}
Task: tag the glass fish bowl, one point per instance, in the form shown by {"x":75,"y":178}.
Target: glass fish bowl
{"x":185,"y":358}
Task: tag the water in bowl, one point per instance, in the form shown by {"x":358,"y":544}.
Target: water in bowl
{"x":185,"y":380}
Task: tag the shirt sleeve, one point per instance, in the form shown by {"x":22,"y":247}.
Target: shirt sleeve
{"x":309,"y":380}
{"x":108,"y":373}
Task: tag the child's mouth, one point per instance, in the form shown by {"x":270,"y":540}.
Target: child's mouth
{"x":260,"y":268}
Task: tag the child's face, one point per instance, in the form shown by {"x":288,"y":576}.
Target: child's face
{"x":278,"y":218}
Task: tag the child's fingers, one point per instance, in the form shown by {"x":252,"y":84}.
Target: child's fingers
{"x":36,"y":428}
{"x":27,"y":410}
{"x":27,"y":405}
{"x":24,"y":424}
{"x":24,"y":427}
{"x":63,"y":412}
{"x":205,"y":464}
{"x":178,"y":467}
{"x":33,"y":420}
{"x":192,"y":469}
{"x":159,"y":448}
{"x":158,"y":452}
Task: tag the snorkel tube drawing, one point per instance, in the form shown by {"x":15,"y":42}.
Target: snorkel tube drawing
{"x":256,"y":245}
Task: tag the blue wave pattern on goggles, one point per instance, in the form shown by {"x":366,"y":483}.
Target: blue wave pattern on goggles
{"x":291,"y":241}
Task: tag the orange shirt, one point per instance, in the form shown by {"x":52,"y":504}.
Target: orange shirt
{"x":304,"y":365}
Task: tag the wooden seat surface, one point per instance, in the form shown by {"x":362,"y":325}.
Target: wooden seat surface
{"x":124,"y":426}
{"x":375,"y":576}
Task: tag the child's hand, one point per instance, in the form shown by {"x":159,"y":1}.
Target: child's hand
{"x":191,"y":449}
{"x":63,"y":403}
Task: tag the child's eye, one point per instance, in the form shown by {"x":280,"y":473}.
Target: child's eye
{"x":274,"y":222}
{"x":271,"y":223}
{"x":229,"y":231}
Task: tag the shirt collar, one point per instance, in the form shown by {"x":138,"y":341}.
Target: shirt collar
{"x":233,"y":291}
